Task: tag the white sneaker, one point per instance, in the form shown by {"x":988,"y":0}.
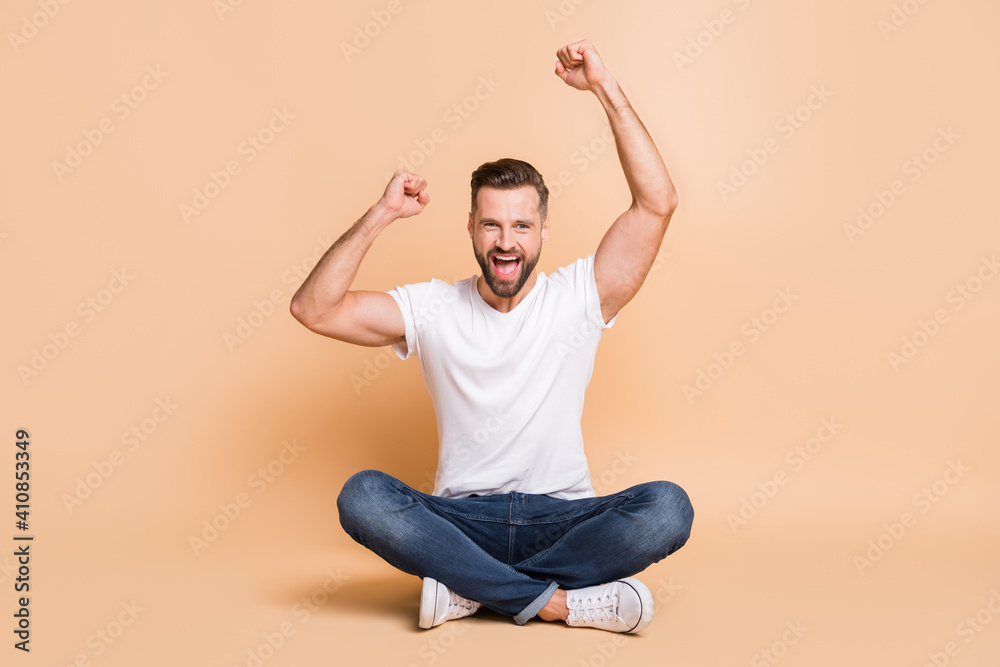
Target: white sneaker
{"x":625,"y":605}
{"x":439,"y":604}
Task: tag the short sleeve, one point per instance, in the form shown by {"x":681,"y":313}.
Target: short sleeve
{"x":580,"y":277}
{"x":404,"y":299}
{"x":420,"y":304}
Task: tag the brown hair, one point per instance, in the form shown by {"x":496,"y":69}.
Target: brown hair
{"x":509,"y":174}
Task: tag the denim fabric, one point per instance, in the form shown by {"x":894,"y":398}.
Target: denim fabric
{"x":512,"y":551}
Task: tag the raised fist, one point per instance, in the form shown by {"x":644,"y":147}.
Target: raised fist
{"x":404,"y":196}
{"x":580,"y":66}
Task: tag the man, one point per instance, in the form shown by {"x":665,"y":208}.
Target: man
{"x":513,"y":523}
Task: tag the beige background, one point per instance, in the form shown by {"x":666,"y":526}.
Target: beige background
{"x":174,"y":332}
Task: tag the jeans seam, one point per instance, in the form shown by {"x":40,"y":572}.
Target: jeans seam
{"x":510,"y":532}
{"x":477,"y":517}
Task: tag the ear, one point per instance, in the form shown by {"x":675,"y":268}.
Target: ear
{"x":545,"y":229}
{"x":470,"y":225}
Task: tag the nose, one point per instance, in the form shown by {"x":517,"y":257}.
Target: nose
{"x":506,"y":239}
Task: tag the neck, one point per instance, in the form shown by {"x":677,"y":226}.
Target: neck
{"x":502,"y":304}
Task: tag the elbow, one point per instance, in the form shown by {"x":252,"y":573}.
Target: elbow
{"x":671,"y":203}
{"x":661,"y":207}
{"x":667,"y":205}
{"x":313,"y":316}
{"x":299,"y":312}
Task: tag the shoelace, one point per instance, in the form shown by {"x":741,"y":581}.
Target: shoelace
{"x":603,"y":609}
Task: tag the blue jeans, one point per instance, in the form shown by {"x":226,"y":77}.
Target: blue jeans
{"x":512,"y":551}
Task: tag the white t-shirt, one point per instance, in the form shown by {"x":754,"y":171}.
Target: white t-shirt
{"x":507,"y":388}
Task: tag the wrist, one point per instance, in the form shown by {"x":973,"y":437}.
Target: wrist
{"x":609,"y":92}
{"x":380,"y":216}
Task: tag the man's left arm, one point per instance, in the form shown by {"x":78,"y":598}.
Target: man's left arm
{"x":629,"y":247}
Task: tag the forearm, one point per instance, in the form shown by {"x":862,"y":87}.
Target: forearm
{"x":327,"y":284}
{"x":647,"y":177}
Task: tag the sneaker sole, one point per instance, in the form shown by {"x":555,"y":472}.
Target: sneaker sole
{"x":645,"y":603}
{"x":428,"y":603}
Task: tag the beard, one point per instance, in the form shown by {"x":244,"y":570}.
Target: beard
{"x":506,"y":288}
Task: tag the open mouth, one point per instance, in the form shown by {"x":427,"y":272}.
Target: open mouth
{"x":505,"y":265}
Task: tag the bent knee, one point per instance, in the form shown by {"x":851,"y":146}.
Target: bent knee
{"x":672,"y":497}
{"x":673,"y":514}
{"x":362,"y":492}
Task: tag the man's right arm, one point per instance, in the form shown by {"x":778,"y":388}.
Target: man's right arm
{"x":324,"y":303}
